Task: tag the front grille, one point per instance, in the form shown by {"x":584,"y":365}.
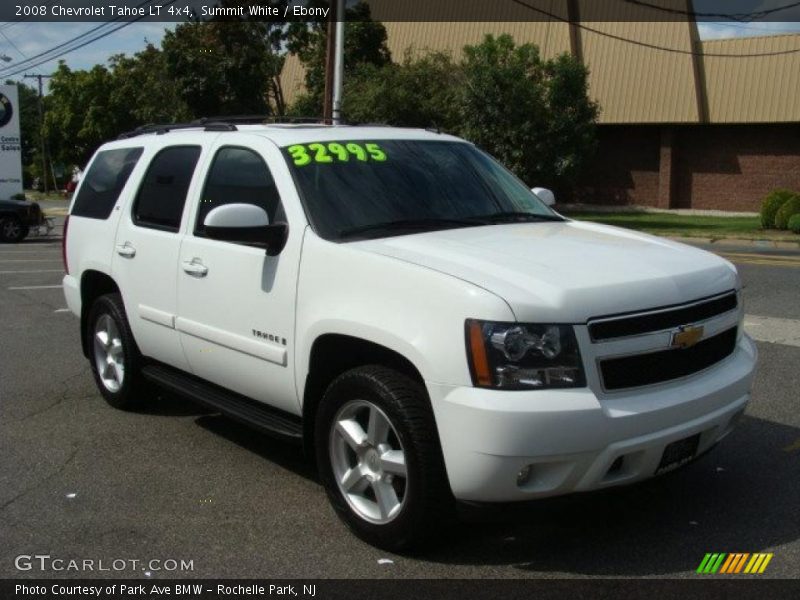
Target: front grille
{"x":624,"y":326}
{"x":664,"y":365}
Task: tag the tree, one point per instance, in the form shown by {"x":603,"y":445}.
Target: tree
{"x":364,"y":44}
{"x":227,"y":66}
{"x":532,"y":114}
{"x":138,"y":94}
{"x":80,"y":113}
{"x":419,"y":92}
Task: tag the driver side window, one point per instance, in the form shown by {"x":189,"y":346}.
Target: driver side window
{"x":239,"y":176}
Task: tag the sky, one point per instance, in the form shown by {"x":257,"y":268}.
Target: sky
{"x":22,"y":40}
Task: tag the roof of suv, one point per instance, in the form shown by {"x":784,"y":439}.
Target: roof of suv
{"x":288,"y":134}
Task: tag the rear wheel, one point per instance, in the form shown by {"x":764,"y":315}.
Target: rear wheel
{"x":115,"y":358}
{"x":379,"y":458}
{"x":12,"y":231}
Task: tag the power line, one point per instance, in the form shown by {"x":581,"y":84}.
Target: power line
{"x":31,"y":62}
{"x":48,"y":55}
{"x":13,"y":45}
{"x":751,"y":16}
{"x":9,"y":24}
{"x":648,"y":44}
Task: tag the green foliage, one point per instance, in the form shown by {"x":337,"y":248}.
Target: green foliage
{"x":225,"y":68}
{"x":534,"y":115}
{"x":87,"y":108}
{"x":138,"y":93}
{"x":364,"y":44}
{"x":770,"y":206}
{"x":794,"y":223}
{"x":790,"y":208}
{"x":419,"y":92}
{"x":80,"y":115}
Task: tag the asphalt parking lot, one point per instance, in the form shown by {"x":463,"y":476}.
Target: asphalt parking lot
{"x":80,"y":480}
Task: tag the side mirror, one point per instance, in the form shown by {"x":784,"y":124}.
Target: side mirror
{"x":246,"y":224}
{"x":545,"y":195}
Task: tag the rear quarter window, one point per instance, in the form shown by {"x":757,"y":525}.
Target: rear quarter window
{"x":103,"y":182}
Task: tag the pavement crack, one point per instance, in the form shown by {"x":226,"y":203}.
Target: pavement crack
{"x":62,"y":397}
{"x":40,"y":483}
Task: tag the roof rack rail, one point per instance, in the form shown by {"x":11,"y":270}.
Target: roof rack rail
{"x":262,"y":119}
{"x":162,"y":129}
{"x":224,"y":123}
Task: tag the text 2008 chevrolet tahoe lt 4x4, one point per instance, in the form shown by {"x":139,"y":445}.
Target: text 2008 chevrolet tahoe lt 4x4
{"x":407,"y":309}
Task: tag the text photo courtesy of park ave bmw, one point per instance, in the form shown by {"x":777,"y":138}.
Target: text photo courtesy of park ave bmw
{"x":476,"y":299}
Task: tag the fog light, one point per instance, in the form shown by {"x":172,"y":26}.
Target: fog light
{"x":524,"y":476}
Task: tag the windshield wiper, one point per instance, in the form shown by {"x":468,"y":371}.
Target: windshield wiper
{"x":408,"y":224}
{"x":515,"y":216}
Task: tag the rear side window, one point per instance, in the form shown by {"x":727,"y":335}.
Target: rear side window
{"x":238,"y":176}
{"x":103,"y":182}
{"x":159,"y":203}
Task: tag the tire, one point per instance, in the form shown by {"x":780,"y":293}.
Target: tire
{"x":116,"y":361}
{"x":424,"y":502}
{"x":12,"y":231}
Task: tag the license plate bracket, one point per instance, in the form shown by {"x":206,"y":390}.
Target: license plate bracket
{"x":678,"y":453}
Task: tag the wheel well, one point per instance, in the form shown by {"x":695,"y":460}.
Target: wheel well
{"x":93,"y":285}
{"x":332,"y":355}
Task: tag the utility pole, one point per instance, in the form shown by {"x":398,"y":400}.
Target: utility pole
{"x":41,"y":125}
{"x":338,"y":63}
{"x":334,"y":63}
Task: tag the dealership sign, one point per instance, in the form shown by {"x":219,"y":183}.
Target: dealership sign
{"x":10,"y":144}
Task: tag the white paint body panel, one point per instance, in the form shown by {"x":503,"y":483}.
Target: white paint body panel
{"x":412,"y":294}
{"x":244,"y":291}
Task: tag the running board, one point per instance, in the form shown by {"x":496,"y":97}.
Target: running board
{"x":255,"y":414}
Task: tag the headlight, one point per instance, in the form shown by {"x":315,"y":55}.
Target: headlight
{"x":517,"y":356}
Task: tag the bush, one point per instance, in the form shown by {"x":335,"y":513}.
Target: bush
{"x":790,"y":208}
{"x":794,"y":224}
{"x":771,"y":205}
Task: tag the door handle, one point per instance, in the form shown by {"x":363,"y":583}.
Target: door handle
{"x":126,"y":250}
{"x":195,"y":267}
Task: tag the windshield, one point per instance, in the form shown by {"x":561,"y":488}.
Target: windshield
{"x":361,"y":189}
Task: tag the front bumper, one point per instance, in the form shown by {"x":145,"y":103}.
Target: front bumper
{"x":575,"y":440}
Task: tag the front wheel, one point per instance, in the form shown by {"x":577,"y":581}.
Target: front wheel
{"x":380,"y":460}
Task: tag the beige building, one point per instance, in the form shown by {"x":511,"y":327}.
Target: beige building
{"x":684,"y":123}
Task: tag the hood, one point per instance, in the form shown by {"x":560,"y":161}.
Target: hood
{"x":566,"y":272}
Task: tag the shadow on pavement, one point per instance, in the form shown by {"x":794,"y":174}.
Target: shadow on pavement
{"x":164,"y":404}
{"x":287,"y":455}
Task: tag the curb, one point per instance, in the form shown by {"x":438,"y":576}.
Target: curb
{"x":761,"y":244}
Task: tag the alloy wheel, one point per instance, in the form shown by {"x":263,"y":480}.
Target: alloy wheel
{"x":109,"y":357}
{"x":368,"y":461}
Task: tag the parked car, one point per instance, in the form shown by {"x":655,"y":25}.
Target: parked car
{"x":16,"y":219}
{"x":401,"y":305}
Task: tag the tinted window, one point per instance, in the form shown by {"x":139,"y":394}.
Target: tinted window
{"x":159,"y":203}
{"x":352,"y":185}
{"x":104,"y":181}
{"x":238,"y":175}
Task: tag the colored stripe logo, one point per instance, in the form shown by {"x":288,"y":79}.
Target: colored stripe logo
{"x":734,"y":563}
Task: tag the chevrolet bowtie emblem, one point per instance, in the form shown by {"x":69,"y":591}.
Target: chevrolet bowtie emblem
{"x":687,"y":336}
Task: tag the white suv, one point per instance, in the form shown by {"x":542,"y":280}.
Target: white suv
{"x":405,"y":308}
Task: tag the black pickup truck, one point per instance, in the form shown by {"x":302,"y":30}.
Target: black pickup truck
{"x":16,"y":219}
